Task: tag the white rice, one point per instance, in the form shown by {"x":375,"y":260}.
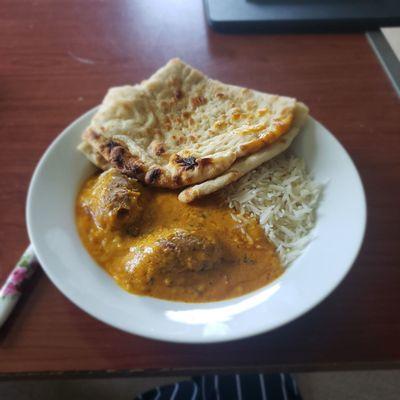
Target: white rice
{"x":283,"y":198}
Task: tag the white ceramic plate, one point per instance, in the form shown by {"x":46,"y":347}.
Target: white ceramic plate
{"x":324,"y":263}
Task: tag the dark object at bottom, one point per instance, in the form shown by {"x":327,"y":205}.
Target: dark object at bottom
{"x":301,"y":15}
{"x":228,"y":387}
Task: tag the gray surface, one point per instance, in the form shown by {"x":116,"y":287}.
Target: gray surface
{"x":387,"y":57}
{"x":363,"y":385}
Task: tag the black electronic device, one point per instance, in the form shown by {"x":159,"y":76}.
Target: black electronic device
{"x":301,"y":15}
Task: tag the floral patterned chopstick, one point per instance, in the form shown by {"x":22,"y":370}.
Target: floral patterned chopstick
{"x":10,"y":292}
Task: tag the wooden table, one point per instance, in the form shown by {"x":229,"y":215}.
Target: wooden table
{"x":57,"y":59}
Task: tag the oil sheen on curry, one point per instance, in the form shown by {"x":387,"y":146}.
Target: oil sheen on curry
{"x":154,"y":245}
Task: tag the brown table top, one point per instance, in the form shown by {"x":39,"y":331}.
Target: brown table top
{"x":57,"y":59}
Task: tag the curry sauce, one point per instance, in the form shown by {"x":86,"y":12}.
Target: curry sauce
{"x":176,"y":251}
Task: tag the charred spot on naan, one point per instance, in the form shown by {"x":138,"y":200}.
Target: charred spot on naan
{"x":186,"y":163}
{"x":110,"y":145}
{"x":116,"y":155}
{"x":119,"y":157}
{"x":152,"y":176}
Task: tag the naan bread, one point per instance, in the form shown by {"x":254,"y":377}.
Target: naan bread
{"x":179,"y":128}
{"x":247,"y":164}
{"x":92,"y":155}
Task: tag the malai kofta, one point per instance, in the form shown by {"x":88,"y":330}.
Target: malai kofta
{"x":152,"y":244}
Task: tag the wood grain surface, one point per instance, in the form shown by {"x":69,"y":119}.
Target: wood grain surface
{"x":57,"y":59}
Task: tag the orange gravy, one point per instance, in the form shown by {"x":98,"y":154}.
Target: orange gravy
{"x":251,"y":260}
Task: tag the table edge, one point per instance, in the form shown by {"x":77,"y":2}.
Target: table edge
{"x":155,"y":372}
